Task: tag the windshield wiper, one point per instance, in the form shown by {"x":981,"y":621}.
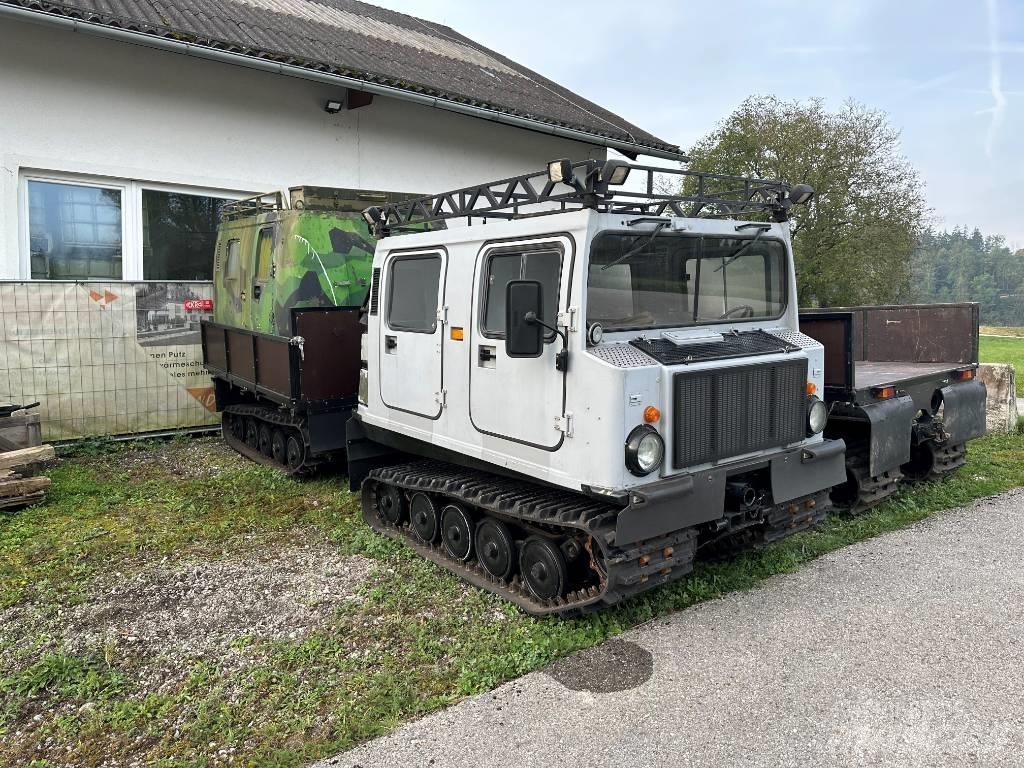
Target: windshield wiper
{"x":761,"y":229}
{"x":636,"y":249}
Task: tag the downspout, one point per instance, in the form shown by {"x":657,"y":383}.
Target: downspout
{"x":252,"y":62}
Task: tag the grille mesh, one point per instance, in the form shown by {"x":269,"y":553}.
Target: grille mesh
{"x":732,"y":411}
{"x":742,"y":344}
{"x":375,"y":292}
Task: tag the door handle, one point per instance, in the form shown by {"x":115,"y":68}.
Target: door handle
{"x":486,"y":354}
{"x":256,"y":291}
{"x":390,"y":343}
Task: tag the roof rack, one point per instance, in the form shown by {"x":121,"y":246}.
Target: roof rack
{"x":593,"y":184}
{"x":250,"y":206}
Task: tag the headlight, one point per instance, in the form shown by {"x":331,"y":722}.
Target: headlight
{"x":817,"y":415}
{"x":645,"y":450}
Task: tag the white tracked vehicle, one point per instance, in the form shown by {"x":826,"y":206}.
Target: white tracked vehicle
{"x":564,"y":400}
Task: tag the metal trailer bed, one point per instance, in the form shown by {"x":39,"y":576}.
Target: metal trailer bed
{"x":307,"y":383}
{"x":868,"y":349}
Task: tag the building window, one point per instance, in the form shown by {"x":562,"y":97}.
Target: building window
{"x":179,"y":235}
{"x":94,"y":228}
{"x":75,"y":231}
{"x":414,"y":293}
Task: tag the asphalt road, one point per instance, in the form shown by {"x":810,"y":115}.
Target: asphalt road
{"x":905,"y":650}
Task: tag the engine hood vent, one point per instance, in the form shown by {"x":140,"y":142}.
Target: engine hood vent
{"x":729,"y":346}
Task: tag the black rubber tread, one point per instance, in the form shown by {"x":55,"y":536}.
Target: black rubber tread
{"x":276,"y":418}
{"x":777,"y":523}
{"x":621,"y":572}
{"x":947,"y":459}
{"x":872,"y":490}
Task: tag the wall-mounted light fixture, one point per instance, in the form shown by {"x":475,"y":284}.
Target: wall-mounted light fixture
{"x":333,"y":106}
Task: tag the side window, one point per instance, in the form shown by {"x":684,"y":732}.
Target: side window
{"x":264,"y":254}
{"x":544,"y":266}
{"x":231,"y":263}
{"x":413,"y":292}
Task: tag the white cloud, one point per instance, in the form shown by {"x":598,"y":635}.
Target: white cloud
{"x":995,"y":78}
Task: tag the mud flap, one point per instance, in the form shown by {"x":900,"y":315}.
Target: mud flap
{"x":892,"y":422}
{"x":964,"y":417}
{"x":808,"y":470}
{"x":671,"y":505}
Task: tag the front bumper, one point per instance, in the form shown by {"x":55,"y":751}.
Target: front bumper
{"x":699,"y":497}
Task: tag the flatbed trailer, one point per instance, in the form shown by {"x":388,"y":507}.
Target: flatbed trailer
{"x":285,"y":399}
{"x":889,"y":375}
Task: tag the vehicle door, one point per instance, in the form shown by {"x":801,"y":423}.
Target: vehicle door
{"x":519,"y":399}
{"x":412,"y":330}
{"x":260,"y":298}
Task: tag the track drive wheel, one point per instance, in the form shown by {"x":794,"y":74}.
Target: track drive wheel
{"x":265,"y":439}
{"x":922,"y":462}
{"x":278,"y":447}
{"x":252,"y":433}
{"x":391,"y":504}
{"x":457,"y":532}
{"x":426,"y":522}
{"x":543,"y":568}
{"x":295,"y":452}
{"x":495,"y":548}
{"x":238,"y":427}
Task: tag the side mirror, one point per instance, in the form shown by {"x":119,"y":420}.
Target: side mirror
{"x":524,"y":336}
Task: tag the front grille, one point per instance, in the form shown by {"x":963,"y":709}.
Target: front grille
{"x":740,"y":344}
{"x":732,"y":411}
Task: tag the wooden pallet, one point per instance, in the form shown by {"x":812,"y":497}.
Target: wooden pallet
{"x":21,"y":483}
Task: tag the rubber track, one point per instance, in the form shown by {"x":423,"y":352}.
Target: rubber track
{"x":872,"y":490}
{"x":624,"y":571}
{"x":779,"y":522}
{"x":271,"y":416}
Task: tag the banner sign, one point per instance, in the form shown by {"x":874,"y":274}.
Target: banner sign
{"x":106,"y":358}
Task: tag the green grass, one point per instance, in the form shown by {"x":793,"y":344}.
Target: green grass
{"x":1005,"y":350}
{"x":418,"y":640}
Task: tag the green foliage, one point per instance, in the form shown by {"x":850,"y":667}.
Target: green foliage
{"x":1004,"y":350}
{"x":969,"y":266}
{"x":854,"y":241}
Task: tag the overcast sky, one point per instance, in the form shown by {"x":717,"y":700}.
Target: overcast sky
{"x":950,"y":73}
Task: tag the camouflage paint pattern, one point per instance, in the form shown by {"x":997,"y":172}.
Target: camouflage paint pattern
{"x":320,"y":259}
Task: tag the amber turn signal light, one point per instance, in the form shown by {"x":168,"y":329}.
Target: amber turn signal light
{"x":651,"y":414}
{"x":884,"y":393}
{"x":812,"y":388}
{"x":457,"y":334}
{"x":964,"y":375}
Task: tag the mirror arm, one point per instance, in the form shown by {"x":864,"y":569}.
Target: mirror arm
{"x":562,"y":358}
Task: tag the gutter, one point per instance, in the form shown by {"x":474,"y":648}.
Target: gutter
{"x":288,"y":70}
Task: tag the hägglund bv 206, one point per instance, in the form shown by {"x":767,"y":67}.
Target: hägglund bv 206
{"x":565,"y":405}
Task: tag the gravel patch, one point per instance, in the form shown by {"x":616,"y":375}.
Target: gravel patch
{"x":168,"y":615}
{"x":198,"y":608}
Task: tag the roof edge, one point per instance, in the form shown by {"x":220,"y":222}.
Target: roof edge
{"x":147,"y":40}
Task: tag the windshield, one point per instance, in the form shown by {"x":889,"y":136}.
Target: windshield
{"x":679,"y":280}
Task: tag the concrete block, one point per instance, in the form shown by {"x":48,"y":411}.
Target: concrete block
{"x":1001,"y":382}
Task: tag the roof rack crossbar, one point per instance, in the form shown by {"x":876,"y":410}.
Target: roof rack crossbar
{"x":696,"y":194}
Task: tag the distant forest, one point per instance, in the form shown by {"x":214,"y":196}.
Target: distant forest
{"x":967,"y":266}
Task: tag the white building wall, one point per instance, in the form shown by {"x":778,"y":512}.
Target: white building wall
{"x":76,"y":104}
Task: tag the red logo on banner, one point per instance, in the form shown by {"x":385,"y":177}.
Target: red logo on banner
{"x":199,"y":305}
{"x":205,"y":397}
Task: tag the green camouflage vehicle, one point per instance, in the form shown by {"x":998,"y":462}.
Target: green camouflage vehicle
{"x":271,"y":258}
{"x":291,"y":273}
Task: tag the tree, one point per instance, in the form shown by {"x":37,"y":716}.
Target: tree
{"x":965,"y":265}
{"x":853,"y":243}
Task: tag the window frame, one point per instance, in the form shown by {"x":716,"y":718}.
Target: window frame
{"x":228,"y":276}
{"x":390,"y":274}
{"x":783,"y":277}
{"x":264,"y":232}
{"x":132,"y":268}
{"x":532,"y":246}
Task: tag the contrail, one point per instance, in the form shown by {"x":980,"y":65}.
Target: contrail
{"x":995,"y":77}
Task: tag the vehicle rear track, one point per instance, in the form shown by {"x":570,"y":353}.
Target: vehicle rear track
{"x":621,"y":571}
{"x":275,"y":419}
